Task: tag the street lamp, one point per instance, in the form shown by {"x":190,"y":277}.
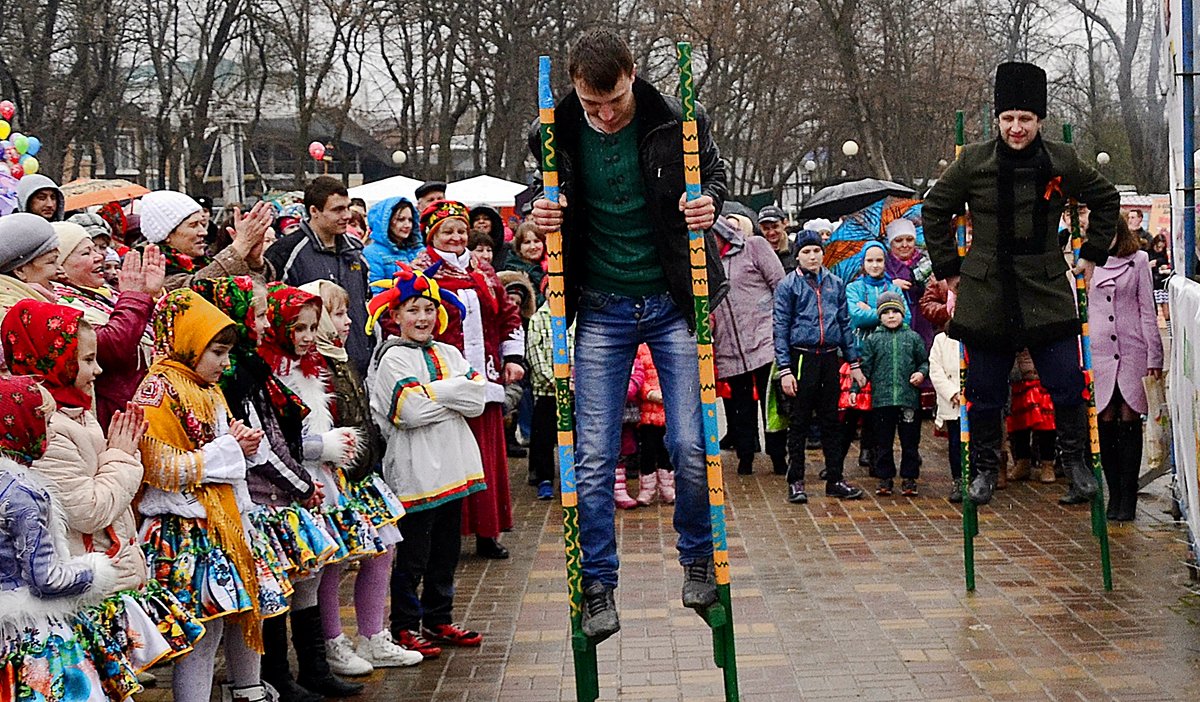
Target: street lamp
{"x":399,"y":158}
{"x":1103,"y":158}
{"x":850,"y":148}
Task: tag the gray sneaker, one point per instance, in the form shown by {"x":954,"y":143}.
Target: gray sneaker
{"x":600,"y":619}
{"x":699,"y":585}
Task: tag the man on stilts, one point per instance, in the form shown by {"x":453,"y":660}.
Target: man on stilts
{"x":625,"y":221}
{"x":1012,"y":286}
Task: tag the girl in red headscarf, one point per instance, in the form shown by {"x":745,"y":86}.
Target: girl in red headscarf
{"x":289,"y":346}
{"x":492,"y":338}
{"x":95,"y":481}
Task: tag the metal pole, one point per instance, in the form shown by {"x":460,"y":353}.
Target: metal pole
{"x":970,"y":512}
{"x":720,"y":615}
{"x":583,"y":649}
{"x":1188,"y":42}
{"x":1099,"y":520}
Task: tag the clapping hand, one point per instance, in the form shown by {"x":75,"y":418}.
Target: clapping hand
{"x":144,"y":274}
{"x":248,"y":439}
{"x":126,"y":429}
{"x":249,"y":232}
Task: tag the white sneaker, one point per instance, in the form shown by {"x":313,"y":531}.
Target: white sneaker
{"x":342,"y":658}
{"x":382,"y":652}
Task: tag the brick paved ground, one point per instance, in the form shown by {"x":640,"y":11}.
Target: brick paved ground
{"x":841,"y":601}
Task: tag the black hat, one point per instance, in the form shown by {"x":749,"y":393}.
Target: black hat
{"x":1020,"y":86}
{"x":429,"y":186}
{"x":771,"y":213}
{"x":205,"y":202}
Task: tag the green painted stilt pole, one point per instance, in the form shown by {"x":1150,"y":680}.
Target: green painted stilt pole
{"x":970,"y":513}
{"x":583,"y":649}
{"x":720,"y":615}
{"x":1099,"y":520}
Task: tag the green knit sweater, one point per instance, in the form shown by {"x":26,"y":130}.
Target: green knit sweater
{"x":622,"y":258}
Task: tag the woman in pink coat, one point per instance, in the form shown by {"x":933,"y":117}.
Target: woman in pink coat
{"x":1126,"y":347}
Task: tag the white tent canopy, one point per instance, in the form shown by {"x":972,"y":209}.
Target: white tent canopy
{"x":485,"y":190}
{"x":396,"y":186}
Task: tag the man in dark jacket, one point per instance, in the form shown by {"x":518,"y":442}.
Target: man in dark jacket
{"x":1013,"y":288}
{"x":321,"y":250}
{"x":625,"y":222}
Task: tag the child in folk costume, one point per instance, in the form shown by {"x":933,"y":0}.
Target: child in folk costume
{"x":95,"y":481}
{"x":289,"y":347}
{"x":198,"y":545}
{"x":281,"y":488}
{"x":366,"y":488}
{"x":422,"y":392}
{"x":489,"y":334}
{"x":43,"y":589}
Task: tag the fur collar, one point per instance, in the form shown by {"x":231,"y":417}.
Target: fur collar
{"x":314,"y":392}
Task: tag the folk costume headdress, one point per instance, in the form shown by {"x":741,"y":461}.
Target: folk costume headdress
{"x":42,"y":339}
{"x":407,"y":284}
{"x":248,"y":378}
{"x":329,"y":342}
{"x":181,"y":409}
{"x":453,"y":274}
{"x":284,"y":304}
{"x":25,"y":409}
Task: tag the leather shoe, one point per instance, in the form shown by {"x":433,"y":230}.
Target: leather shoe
{"x":490,"y":548}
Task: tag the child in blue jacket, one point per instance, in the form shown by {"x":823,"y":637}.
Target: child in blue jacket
{"x":812,"y":324}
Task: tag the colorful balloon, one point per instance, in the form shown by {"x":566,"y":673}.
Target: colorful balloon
{"x":30,"y":164}
{"x":20,"y":142}
{"x":316,"y":150}
{"x":5,"y":129}
{"x":7,"y":109}
{"x":35,"y":145}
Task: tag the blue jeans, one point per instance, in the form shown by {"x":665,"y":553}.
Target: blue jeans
{"x":609,"y":329}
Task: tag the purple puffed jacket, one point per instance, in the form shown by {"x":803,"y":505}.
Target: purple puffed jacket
{"x":1124,"y":329}
{"x":743,"y":329}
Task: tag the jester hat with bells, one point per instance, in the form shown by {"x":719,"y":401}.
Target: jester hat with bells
{"x":406,"y":284}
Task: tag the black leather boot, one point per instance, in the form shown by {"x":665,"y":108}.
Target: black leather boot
{"x":275,"y":670}
{"x":1110,"y":461}
{"x":309,"y":641}
{"x":1073,"y":440}
{"x":1131,"y":469}
{"x":986,"y":434}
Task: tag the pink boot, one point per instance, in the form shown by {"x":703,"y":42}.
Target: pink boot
{"x":620,"y":493}
{"x":647,"y":488}
{"x":666,"y":485}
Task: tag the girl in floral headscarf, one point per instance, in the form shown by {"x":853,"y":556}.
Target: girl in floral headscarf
{"x":290,"y":350}
{"x":280,"y":486}
{"x":44,"y":591}
{"x":492,"y":338}
{"x":197,"y":543}
{"x":366,"y":489}
{"x":95,"y":481}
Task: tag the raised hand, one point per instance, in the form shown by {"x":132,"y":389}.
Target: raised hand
{"x":154,"y":270}
{"x":250,"y":230}
{"x":132,"y":276}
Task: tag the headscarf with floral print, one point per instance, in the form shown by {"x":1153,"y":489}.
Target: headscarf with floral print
{"x":42,"y":339}
{"x":25,"y":409}
{"x":248,"y":374}
{"x":284,"y":304}
{"x":440,"y":211}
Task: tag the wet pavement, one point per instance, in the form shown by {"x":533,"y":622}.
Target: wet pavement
{"x":840,"y":601}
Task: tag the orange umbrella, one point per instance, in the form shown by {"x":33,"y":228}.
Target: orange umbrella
{"x":85,"y":192}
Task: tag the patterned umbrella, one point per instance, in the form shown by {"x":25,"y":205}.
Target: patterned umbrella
{"x":843,"y":253}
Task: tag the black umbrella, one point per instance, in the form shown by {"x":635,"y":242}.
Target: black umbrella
{"x":845,"y":198}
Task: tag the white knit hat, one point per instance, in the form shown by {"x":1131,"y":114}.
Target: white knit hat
{"x":900,"y":227}
{"x":162,"y":211}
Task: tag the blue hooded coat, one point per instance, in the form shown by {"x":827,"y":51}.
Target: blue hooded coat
{"x":382,"y":254}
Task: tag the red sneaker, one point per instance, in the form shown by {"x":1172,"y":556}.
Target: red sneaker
{"x":413,"y":641}
{"x":452,"y":635}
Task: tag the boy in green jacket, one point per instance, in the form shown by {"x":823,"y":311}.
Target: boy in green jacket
{"x":894,"y":359}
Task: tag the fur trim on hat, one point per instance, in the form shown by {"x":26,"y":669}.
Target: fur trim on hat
{"x":520,"y":280}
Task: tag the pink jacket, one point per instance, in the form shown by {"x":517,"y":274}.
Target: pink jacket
{"x":1124,"y":329}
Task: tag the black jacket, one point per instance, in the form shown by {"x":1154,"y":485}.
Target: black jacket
{"x":660,"y":149}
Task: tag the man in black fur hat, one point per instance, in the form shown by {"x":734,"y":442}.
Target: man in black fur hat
{"x":1013,"y":289}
